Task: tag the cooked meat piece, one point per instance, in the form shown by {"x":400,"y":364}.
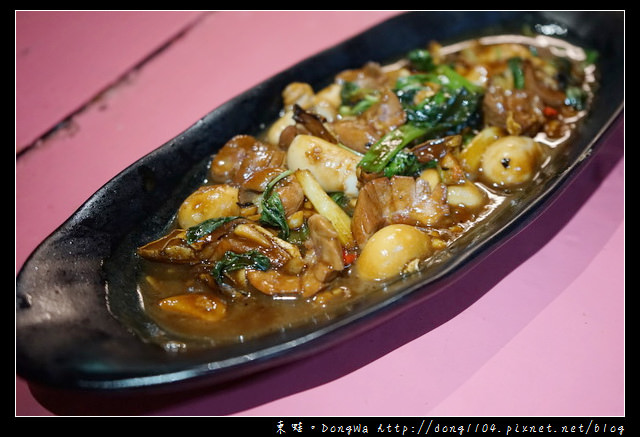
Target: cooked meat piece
{"x":291,"y":194}
{"x":174,"y":247}
{"x":401,"y":199}
{"x":519,"y":112}
{"x":369,"y":76}
{"x":550,"y":96}
{"x":259,"y":179}
{"x":241,"y":157}
{"x":436,"y":148}
{"x":387,"y":114}
{"x":289,"y":189}
{"x":249,"y":237}
{"x":323,"y":260}
{"x":355,"y":134}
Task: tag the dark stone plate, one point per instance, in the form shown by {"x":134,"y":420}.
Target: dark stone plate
{"x":79,"y":323}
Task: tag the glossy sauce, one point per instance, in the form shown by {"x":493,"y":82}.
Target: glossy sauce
{"x":251,"y":315}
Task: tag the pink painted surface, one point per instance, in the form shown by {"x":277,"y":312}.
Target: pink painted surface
{"x":536,"y":329}
{"x":64,"y":58}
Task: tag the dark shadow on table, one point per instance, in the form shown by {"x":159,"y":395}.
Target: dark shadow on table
{"x":346,"y":357}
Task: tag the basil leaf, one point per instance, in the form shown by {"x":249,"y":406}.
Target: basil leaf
{"x":200,"y":230}
{"x":272,"y":211}
{"x":300,"y":235}
{"x":273,"y":214}
{"x":232,"y":261}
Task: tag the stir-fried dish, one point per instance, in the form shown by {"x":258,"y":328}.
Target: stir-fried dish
{"x":360,"y":183}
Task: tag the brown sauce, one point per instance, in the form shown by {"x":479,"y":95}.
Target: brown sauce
{"x":247,"y":313}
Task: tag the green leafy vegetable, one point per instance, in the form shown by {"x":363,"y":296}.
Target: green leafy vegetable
{"x":383,"y":151}
{"x":447,"y":76}
{"x":272,"y":211}
{"x":576,"y":97}
{"x":591,"y":56}
{"x":300,"y":235}
{"x":200,"y":230}
{"x":442,"y":75}
{"x":407,"y":87}
{"x":421,"y":59}
{"x":232,"y":261}
{"x":406,"y":164}
{"x":515,"y":66}
{"x":569,"y":75}
{"x":343,"y":201}
{"x":340,"y":198}
{"x":448,"y":111}
{"x":273,"y":214}
{"x":356,"y":100}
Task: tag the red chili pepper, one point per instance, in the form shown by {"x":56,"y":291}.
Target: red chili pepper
{"x":348,"y":257}
{"x":550,"y":112}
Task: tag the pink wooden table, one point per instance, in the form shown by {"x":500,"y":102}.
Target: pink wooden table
{"x":535,"y":330}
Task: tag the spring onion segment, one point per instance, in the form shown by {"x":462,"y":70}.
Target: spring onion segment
{"x":326,"y":206}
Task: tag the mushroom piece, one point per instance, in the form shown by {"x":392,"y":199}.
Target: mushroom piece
{"x":206,"y":307}
{"x":323,"y":261}
{"x":178,"y":247}
{"x":313,"y":123}
{"x":354,"y":133}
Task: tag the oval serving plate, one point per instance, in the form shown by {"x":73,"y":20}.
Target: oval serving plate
{"x":79,"y":321}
